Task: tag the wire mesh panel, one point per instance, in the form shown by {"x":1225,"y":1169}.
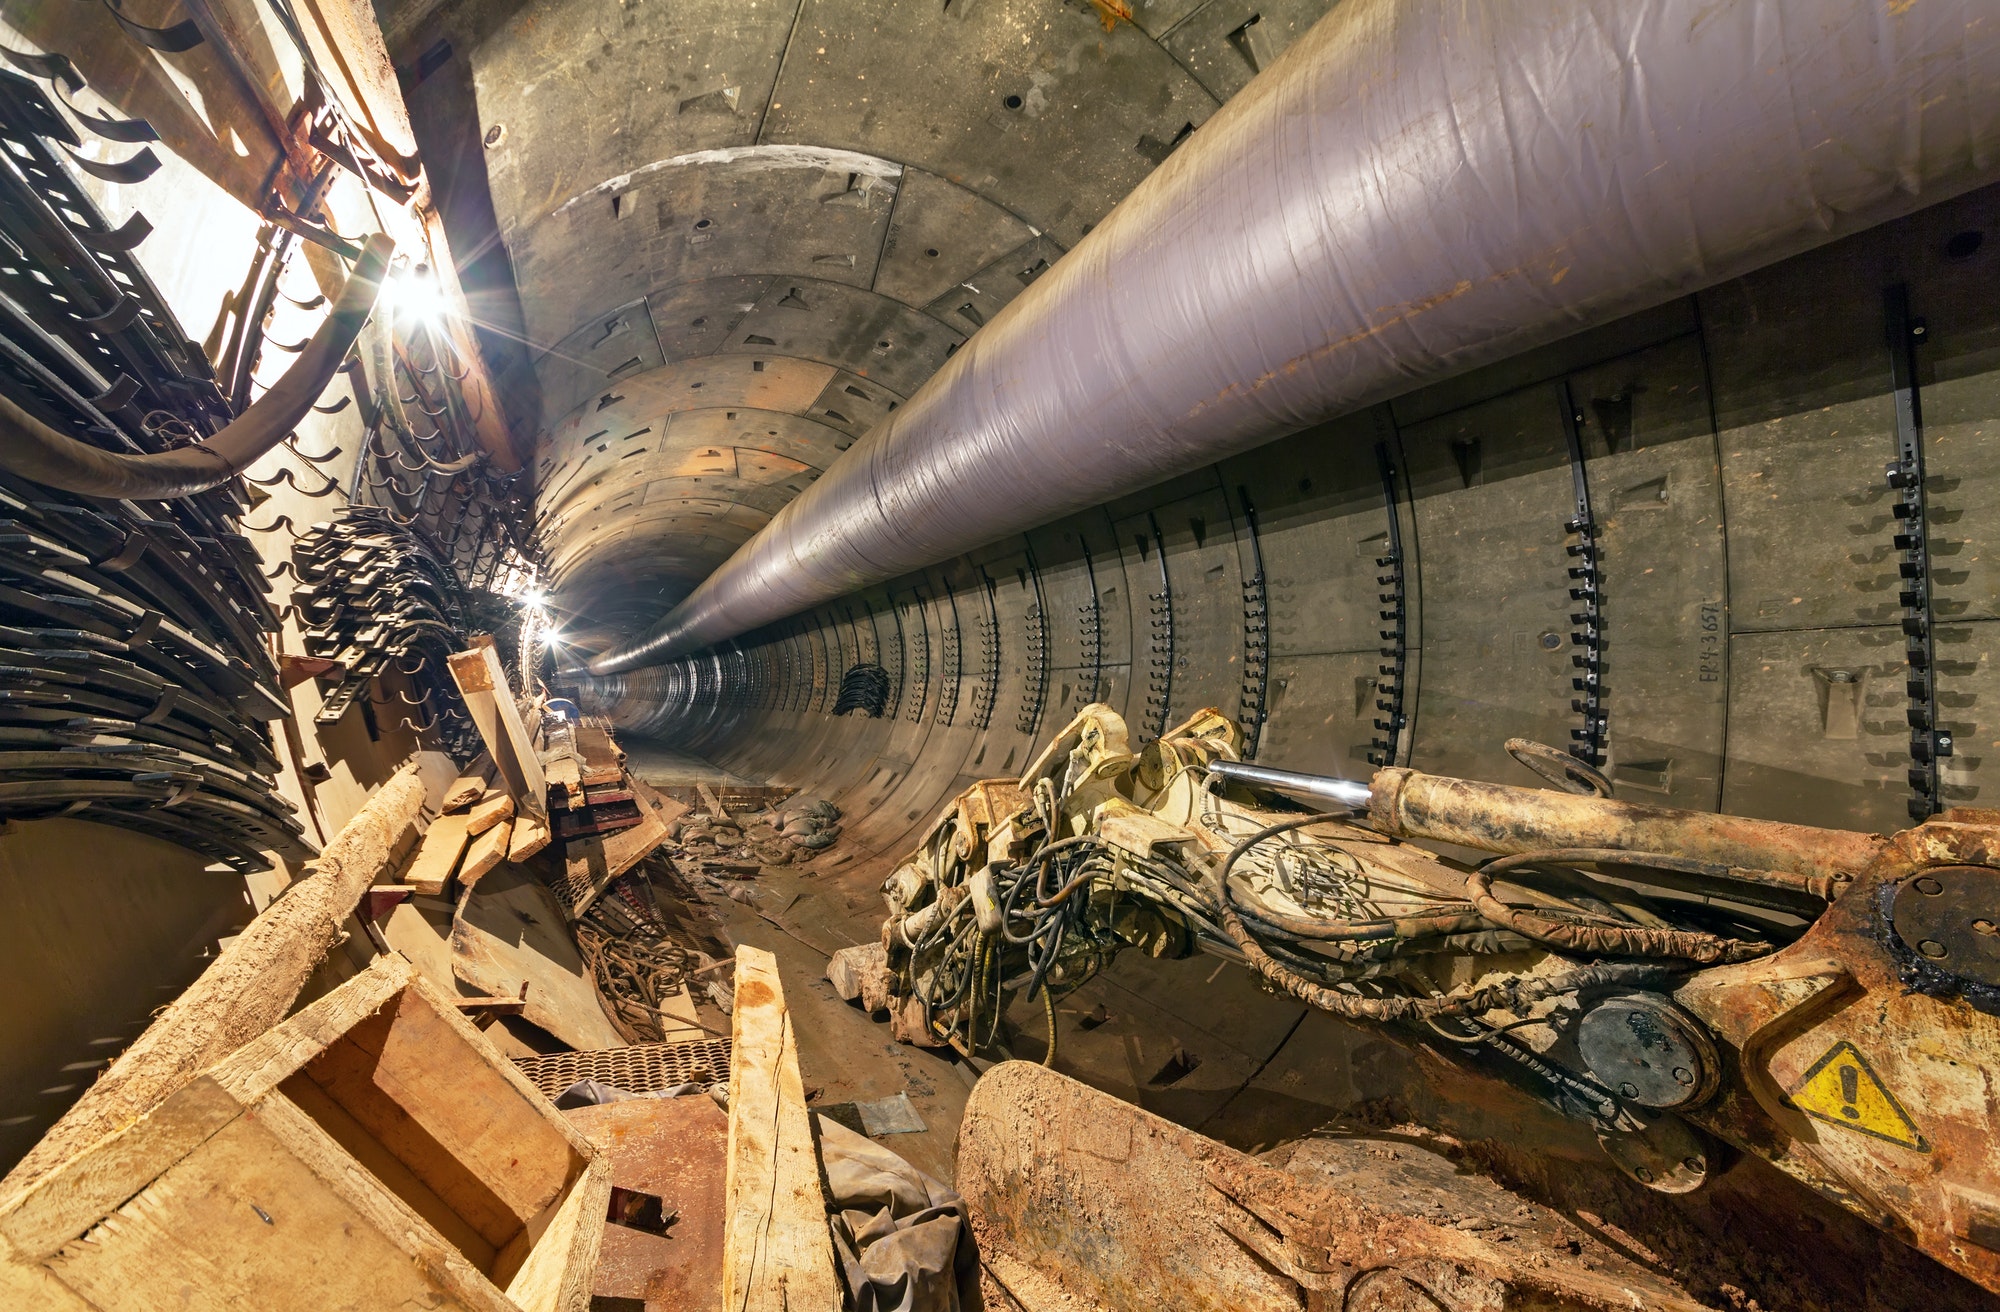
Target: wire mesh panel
{"x":641,"y":1068}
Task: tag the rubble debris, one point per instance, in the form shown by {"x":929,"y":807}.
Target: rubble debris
{"x":861,"y":974}
{"x":640,"y":968}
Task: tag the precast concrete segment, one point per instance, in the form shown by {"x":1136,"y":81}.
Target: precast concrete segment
{"x":1412,"y":190}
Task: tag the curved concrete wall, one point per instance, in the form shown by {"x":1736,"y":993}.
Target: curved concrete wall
{"x":1752,"y":656}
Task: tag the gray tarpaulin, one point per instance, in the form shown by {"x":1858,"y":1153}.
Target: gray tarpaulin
{"x":901,"y":1236}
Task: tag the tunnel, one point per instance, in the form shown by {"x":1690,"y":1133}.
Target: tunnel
{"x":797,"y":478}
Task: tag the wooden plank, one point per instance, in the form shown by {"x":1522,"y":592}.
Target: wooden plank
{"x":198,"y":1237}
{"x":489,"y":811}
{"x":565,"y":772}
{"x":509,"y":932}
{"x":590,"y":864}
{"x":557,"y":1275}
{"x":245,"y":990}
{"x":37,"y":1287}
{"x":438,"y":772}
{"x":444,"y":843}
{"x":777,"y":1255}
{"x":487,"y":851}
{"x":710,"y":801}
{"x":470,"y":786}
{"x":602,"y":762}
{"x":444,"y":1107}
{"x":531,"y":835}
{"x":483,"y":685}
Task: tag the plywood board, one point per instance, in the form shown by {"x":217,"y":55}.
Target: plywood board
{"x":509,"y":932}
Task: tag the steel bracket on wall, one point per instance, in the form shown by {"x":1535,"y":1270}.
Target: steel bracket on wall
{"x":920,"y":661}
{"x":1256,"y":634}
{"x":1035,"y":681}
{"x":1929,"y":742}
{"x":1389,"y":675}
{"x":1587,"y":631}
{"x":987,"y":690}
{"x":952,"y":662}
{"x":1090,"y":634}
{"x":1160,"y":675}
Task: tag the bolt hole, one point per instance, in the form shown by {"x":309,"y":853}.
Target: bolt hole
{"x":699,"y":322}
{"x":498,"y":132}
{"x":702,"y":225}
{"x":932,"y":252}
{"x":1964,"y":245}
{"x":1012,"y":102}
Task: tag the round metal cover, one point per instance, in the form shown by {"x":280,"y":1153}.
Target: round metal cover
{"x":1950,"y":917}
{"x":1668,"y":1155}
{"x":1648,"y":1051}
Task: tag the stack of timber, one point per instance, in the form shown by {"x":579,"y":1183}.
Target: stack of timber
{"x":609,"y":819}
{"x":496,"y":810}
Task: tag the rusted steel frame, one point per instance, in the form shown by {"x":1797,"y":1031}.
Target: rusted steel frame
{"x":36,"y":451}
{"x":1497,"y":818}
{"x":232,"y":31}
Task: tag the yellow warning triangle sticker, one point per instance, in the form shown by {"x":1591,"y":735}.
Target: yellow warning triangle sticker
{"x":1843,"y":1089}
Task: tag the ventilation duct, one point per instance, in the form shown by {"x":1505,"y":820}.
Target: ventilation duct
{"x":1417,"y":187}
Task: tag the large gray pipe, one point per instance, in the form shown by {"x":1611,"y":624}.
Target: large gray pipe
{"x":32,"y":449}
{"x":1417,"y":187}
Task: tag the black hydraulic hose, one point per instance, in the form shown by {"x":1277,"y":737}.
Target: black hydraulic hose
{"x":32,"y":449}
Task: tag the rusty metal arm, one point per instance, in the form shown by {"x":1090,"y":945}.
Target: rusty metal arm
{"x":1497,"y":818}
{"x":32,"y":449}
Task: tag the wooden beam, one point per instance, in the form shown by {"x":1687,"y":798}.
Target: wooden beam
{"x":483,"y":684}
{"x":530,"y":836}
{"x":590,"y":864}
{"x":777,"y":1254}
{"x":470,"y":786}
{"x":558,"y":1273}
{"x":444,"y":843}
{"x":246,"y":990}
{"x":491,"y":810}
{"x":487,"y":850}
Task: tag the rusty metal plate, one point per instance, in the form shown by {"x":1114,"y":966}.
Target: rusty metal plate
{"x":677,"y":1149}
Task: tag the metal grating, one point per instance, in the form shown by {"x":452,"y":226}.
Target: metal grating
{"x":641,"y":1068}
